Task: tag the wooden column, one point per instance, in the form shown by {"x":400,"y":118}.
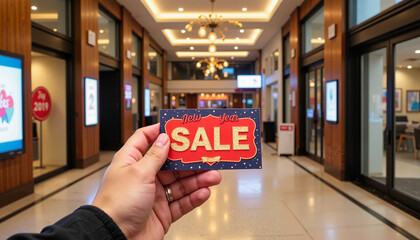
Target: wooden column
{"x":295,"y":43}
{"x":16,"y":174}
{"x":165,"y":81}
{"x":86,"y":65}
{"x":334,"y":63}
{"x":144,"y":71}
{"x":126,"y":73}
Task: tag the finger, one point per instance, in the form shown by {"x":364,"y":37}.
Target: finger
{"x":168,"y":177}
{"x":186,"y":204}
{"x":188,"y":185}
{"x":156,"y":156}
{"x":138,"y":143}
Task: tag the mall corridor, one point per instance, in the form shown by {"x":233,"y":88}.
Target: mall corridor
{"x":280,"y":201}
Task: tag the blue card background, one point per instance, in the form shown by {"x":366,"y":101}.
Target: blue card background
{"x":252,"y":113}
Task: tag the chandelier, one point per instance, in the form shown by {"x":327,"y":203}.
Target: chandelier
{"x":211,"y":65}
{"x":213,"y":22}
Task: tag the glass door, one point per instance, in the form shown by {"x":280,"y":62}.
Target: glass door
{"x":314,"y":80}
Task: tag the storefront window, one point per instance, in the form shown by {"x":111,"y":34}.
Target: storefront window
{"x":108,"y":34}
{"x":53,"y":14}
{"x":361,"y":10}
{"x":136,"y":51}
{"x":155,"y":99}
{"x":50,"y":72}
{"x":276,"y":60}
{"x":313,"y":31}
{"x":135,"y":103}
{"x":156,"y":63}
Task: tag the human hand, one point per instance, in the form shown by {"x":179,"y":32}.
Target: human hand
{"x":132,"y":192}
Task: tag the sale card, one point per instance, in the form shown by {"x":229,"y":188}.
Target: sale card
{"x":202,"y":139}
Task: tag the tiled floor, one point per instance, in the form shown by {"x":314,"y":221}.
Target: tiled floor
{"x":281,"y":201}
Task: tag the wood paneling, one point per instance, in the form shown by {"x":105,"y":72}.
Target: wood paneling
{"x":86,"y":65}
{"x":192,"y":100}
{"x":306,"y":7}
{"x":112,"y":7}
{"x":15,"y":36}
{"x":126,"y":73}
{"x":295,"y":67}
{"x":145,"y":76}
{"x":334,"y":63}
{"x":285,"y":29}
{"x":137,"y":28}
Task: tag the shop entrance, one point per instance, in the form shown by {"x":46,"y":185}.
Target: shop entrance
{"x":314,"y":120}
{"x":109,"y":108}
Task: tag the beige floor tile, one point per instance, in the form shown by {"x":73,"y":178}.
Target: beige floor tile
{"x":381,"y":232}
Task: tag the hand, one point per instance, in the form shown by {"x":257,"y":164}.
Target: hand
{"x":132,"y":192}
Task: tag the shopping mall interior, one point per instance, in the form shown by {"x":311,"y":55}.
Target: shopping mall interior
{"x":335,"y":82}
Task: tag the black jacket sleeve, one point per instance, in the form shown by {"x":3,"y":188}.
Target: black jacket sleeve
{"x":87,"y":222}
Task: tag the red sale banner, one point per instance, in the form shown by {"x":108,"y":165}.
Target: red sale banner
{"x":41,"y":103}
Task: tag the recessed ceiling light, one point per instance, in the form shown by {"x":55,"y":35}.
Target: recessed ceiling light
{"x":188,"y":39}
{"x":232,"y":57}
{"x":55,"y":30}
{"x":236,"y":47}
{"x":183,"y":30}
{"x":34,"y":8}
{"x":244,"y":9}
{"x":237,"y":38}
{"x":101,"y":31}
{"x":241,"y":31}
{"x":180,"y":9}
{"x":417,"y":51}
{"x":319,"y":38}
{"x":409,"y":67}
{"x":191,"y":48}
{"x":192,"y":58}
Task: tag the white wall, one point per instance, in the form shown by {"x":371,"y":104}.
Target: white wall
{"x":199,"y":86}
{"x":50,"y":73}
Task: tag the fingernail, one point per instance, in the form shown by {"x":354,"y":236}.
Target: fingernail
{"x":162,"y":140}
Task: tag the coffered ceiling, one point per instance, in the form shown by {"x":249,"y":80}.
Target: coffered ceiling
{"x":165,"y":20}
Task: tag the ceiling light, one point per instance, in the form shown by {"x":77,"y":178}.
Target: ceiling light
{"x":55,"y":29}
{"x":192,"y":58}
{"x":417,"y":51}
{"x":244,"y":9}
{"x":237,"y":38}
{"x":214,"y":22}
{"x":236,"y":47}
{"x":34,"y":8}
{"x":409,"y":67}
{"x":319,"y":39}
{"x":101,"y":31}
{"x":242,"y":31}
{"x":212,"y":48}
{"x":199,"y":54}
{"x":211,"y":65}
{"x":232,"y":57}
{"x":180,"y":9}
{"x":191,"y":48}
{"x":183,"y":31}
{"x":188,"y":39}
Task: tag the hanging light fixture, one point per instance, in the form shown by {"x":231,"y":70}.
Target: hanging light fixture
{"x":211,"y":65}
{"x":213,"y":22}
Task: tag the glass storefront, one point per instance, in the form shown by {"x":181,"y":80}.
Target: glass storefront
{"x":362,"y":10}
{"x":108,"y":37}
{"x":287,"y":97}
{"x":136,"y":51}
{"x":156,"y":95}
{"x":50,"y":72}
{"x":314,"y":81}
{"x":313,"y":31}
{"x":52,"y":14}
{"x":156,"y":63}
{"x":135,"y":108}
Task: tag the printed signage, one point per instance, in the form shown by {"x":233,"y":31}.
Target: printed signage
{"x":11,"y":106}
{"x":212,"y":139}
{"x":41,"y":103}
{"x":331,"y":101}
{"x":91,"y":101}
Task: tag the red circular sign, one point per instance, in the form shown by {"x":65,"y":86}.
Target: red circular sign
{"x":41,"y":103}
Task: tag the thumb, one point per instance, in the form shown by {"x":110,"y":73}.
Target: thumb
{"x":156,"y":155}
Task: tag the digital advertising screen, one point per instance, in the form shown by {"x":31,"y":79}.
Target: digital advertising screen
{"x":11,"y":105}
{"x":91,"y":101}
{"x":228,"y":70}
{"x":331,"y":102}
{"x":249,"y":81}
{"x":147,"y":102}
{"x":128,"y":95}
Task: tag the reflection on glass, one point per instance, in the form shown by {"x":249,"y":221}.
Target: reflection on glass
{"x":310,"y":112}
{"x":53,"y":14}
{"x":155,"y":99}
{"x":373,"y":114}
{"x":361,"y":10}
{"x":313,"y":31}
{"x":407,"y":165}
{"x":108,"y":35}
{"x":286,"y":50}
{"x":276,"y":60}
{"x":136,"y":51}
{"x":135,"y":103}
{"x":156,"y":63}
{"x":287,"y":97}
